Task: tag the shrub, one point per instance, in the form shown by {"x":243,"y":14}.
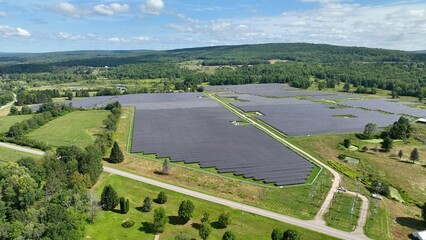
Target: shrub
{"x":225,"y":219}
{"x":290,"y":235}
{"x":205,"y":218}
{"x":109,"y":198}
{"x":228,"y":235}
{"x":347,"y":143}
{"x":160,"y":220}
{"x":204,"y":230}
{"x":128,"y":224}
{"x":276,"y":234}
{"x":162,"y":198}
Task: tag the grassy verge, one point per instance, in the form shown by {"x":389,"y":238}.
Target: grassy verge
{"x":76,"y":128}
{"x":292,"y":200}
{"x":9,"y":155}
{"x":244,"y":225}
{"x":378,"y":224}
{"x":7,"y":121}
{"x":341,"y":215}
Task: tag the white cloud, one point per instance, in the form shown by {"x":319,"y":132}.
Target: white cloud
{"x":394,"y":26}
{"x":112,"y":9}
{"x":3,"y":14}
{"x":69,"y":36}
{"x":153,"y":7}
{"x":13,"y":32}
{"x":69,"y":10}
{"x":114,"y":39}
{"x":142,"y":38}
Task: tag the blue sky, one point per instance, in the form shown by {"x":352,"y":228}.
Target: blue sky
{"x":51,"y":25}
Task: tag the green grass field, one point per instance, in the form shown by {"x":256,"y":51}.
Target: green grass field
{"x":76,"y":128}
{"x":7,"y":121}
{"x":8,"y":155}
{"x":244,"y":225}
{"x":339,"y":215}
{"x":378,"y":224}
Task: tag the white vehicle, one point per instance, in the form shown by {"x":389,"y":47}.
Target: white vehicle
{"x":341,"y":189}
{"x":376,"y":196}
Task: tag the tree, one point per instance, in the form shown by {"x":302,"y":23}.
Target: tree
{"x":346,"y":87}
{"x":346,"y":142}
{"x":387,"y":144}
{"x":204,"y":230}
{"x":400,"y":154}
{"x":69,"y":95}
{"x":160,"y":220}
{"x":109,"y":198}
{"x":228,"y":235}
{"x":124,"y":205}
{"x":13,"y":111}
{"x":116,"y":154}
{"x":276,"y":234}
{"x":94,"y":207}
{"x":185,"y":210}
{"x":290,"y":235}
{"x":225,"y":219}
{"x":424,"y":212}
{"x":162,"y":198}
{"x":167,"y":168}
{"x":369,"y":130}
{"x":205,"y":218}
{"x":26,"y":110}
{"x":147,"y":204}
{"x":182,"y":236}
{"x":414,"y":156}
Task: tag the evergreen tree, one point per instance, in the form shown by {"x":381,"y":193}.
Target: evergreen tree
{"x":346,"y":142}
{"x":414,"y":156}
{"x":387,"y":144}
{"x":116,"y":154}
{"x":109,"y":198}
{"x":147,"y":205}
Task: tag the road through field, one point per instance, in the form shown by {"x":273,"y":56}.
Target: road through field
{"x":9,"y":104}
{"x":22,"y":149}
{"x":337,"y":177}
{"x":312,"y":224}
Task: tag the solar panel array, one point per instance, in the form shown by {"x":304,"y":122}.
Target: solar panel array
{"x":192,"y":128}
{"x":387,"y":106}
{"x":276,"y":90}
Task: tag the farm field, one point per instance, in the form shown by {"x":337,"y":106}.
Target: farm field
{"x":292,"y":200}
{"x":76,"y":128}
{"x":244,"y":225}
{"x":7,"y":121}
{"x":10,"y":155}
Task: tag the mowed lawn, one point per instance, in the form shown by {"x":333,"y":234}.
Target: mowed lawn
{"x":76,"y":128}
{"x":7,"y":121}
{"x":8,"y":155}
{"x":341,"y":215}
{"x":108,"y":224}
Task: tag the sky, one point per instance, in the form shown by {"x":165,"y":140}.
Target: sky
{"x":52,"y":25}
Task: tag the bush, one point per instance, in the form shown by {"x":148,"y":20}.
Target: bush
{"x":205,"y":218}
{"x":229,"y":236}
{"x":160,"y":220}
{"x":225,"y":219}
{"x":182,"y":236}
{"x":276,"y":234}
{"x":290,"y":235}
{"x":204,"y":230}
{"x":364,"y":149}
{"x":162,"y":198}
{"x":128,"y":224}
{"x":347,"y":143}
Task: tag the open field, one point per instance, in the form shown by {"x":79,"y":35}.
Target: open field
{"x":292,"y":200}
{"x":76,"y":128}
{"x":7,"y":121}
{"x":343,"y":214}
{"x":244,"y":225}
{"x":8,"y":155}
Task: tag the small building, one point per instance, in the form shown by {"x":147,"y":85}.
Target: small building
{"x":421,"y":235}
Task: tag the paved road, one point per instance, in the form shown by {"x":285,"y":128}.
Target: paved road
{"x":312,"y":224}
{"x":336,"y":181}
{"x":22,"y":149}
